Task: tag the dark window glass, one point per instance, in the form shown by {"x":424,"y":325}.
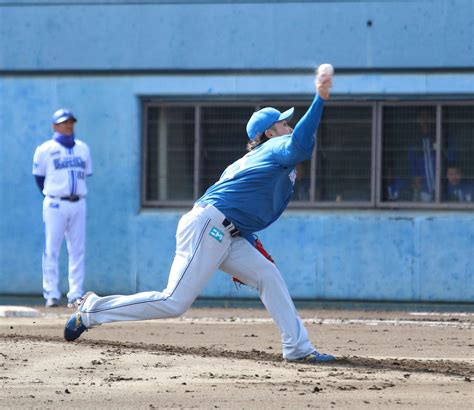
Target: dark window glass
{"x":151,"y":165}
{"x":223,"y":140}
{"x":344,"y":154}
{"x":458,"y":152}
{"x":408,"y":154}
{"x":170,"y":153}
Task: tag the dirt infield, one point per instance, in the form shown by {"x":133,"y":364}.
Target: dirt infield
{"x":231,"y":359}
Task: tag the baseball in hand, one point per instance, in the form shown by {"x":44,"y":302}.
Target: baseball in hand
{"x":325,"y":70}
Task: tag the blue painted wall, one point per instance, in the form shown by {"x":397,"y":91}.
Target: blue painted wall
{"x":190,"y":35}
{"x":358,"y":255}
{"x":332,"y":255}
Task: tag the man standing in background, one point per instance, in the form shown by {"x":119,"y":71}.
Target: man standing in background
{"x":60,"y":166}
{"x":422,"y":158}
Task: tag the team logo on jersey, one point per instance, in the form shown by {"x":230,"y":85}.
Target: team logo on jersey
{"x":54,"y":153}
{"x":216,"y":234}
{"x":74,"y":162}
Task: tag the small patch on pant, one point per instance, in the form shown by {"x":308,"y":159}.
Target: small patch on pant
{"x":216,"y":234}
{"x":53,"y":205}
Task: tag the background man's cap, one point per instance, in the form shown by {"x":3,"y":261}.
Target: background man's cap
{"x":262,"y":120}
{"x":62,"y":115}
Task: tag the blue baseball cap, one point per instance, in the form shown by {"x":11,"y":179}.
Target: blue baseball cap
{"x":262,"y":120}
{"x":63,"y":114}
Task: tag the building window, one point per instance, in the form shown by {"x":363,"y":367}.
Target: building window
{"x":409,"y":155}
{"x":427,"y":154}
{"x":457,"y":175}
{"x":343,"y":155}
{"x":368,"y":154}
{"x":169,"y":153}
{"x":222,"y":140}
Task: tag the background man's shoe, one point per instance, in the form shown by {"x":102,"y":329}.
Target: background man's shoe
{"x":52,"y":302}
{"x":74,"y":303}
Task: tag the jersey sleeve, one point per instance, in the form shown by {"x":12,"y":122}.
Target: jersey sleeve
{"x":289,"y":153}
{"x":39,"y":164}
{"x":299,"y":146}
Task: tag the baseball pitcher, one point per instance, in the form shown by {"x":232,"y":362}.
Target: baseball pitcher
{"x":218,"y":234}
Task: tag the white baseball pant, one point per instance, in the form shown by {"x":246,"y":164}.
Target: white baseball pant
{"x":203,"y":246}
{"x":64,"y":219}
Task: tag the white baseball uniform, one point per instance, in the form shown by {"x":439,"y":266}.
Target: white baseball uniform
{"x":64,"y":211}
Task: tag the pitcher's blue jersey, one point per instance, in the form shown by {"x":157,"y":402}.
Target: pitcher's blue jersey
{"x":255,"y":190}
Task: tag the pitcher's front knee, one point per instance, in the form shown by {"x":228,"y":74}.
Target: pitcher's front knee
{"x":177,"y":307}
{"x":269,"y":275}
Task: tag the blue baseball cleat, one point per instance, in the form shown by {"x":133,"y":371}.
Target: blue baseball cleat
{"x":315,"y":357}
{"x":74,"y":327}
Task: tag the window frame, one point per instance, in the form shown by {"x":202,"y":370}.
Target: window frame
{"x":377,"y":106}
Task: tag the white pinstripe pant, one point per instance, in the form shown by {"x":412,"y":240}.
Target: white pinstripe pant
{"x":204,"y":246}
{"x":64,"y":219}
